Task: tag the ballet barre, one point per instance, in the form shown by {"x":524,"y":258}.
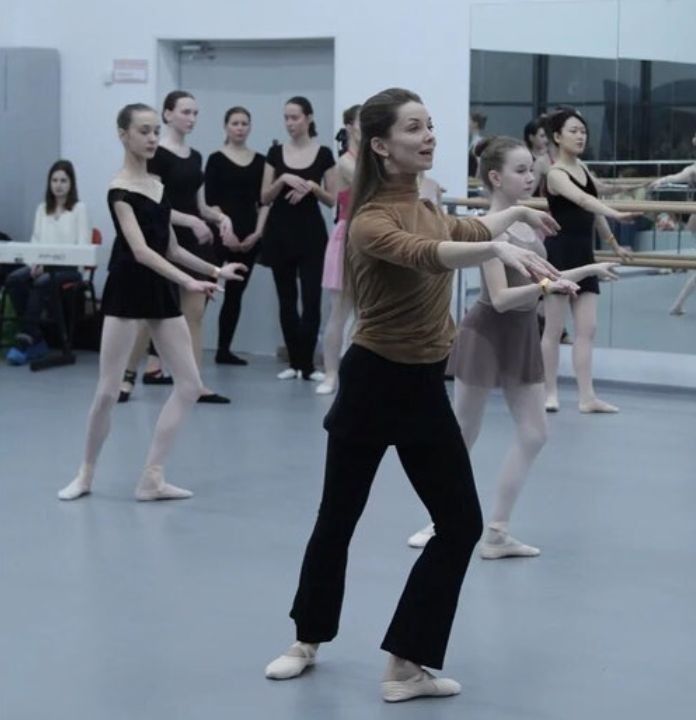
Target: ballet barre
{"x":666,"y":262}
{"x":27,"y":253}
{"x":640,"y":206}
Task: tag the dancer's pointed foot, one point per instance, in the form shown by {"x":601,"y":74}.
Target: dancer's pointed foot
{"x":328,"y":385}
{"x":422,"y":684}
{"x":420,"y":538}
{"x":293,"y":662}
{"x":498,"y":544}
{"x":288,"y":374}
{"x":81,"y":485}
{"x":597,"y":406}
{"x":551,"y":404}
{"x":153,"y":487}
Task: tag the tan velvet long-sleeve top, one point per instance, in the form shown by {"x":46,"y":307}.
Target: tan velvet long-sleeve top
{"x":402,"y":292}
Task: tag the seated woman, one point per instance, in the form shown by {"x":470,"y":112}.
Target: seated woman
{"x":60,"y":220}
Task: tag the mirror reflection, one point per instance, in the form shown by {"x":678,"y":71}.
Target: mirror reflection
{"x":640,"y":114}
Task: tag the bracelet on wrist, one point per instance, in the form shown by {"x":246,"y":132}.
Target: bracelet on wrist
{"x":216,"y":273}
{"x":544,"y":284}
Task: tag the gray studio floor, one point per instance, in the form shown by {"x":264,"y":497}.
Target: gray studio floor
{"x":114,"y":610}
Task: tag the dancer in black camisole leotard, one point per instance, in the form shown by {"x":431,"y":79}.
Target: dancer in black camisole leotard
{"x":180,"y":169}
{"x":142,"y":288}
{"x":573,"y":202}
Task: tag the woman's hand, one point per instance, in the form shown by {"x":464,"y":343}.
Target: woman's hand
{"x":36,"y":271}
{"x":526,"y":262}
{"x":605,"y":270}
{"x":295,"y":196}
{"x":296,"y":182}
{"x":563,"y":287}
{"x":233,"y":271}
{"x":627,"y":217}
{"x":227,"y":231}
{"x":249,"y":241}
{"x":232,"y":242}
{"x":625,"y":254}
{"x":540,"y":220}
{"x":201,"y":230}
{"x":299,"y":188}
{"x":203,"y":286}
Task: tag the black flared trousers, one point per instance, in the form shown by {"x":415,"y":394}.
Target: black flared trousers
{"x":438,"y":467}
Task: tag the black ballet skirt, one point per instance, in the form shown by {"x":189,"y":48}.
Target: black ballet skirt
{"x":572,"y":247}
{"x":295,"y":231}
{"x":182,"y":178}
{"x":132,"y":289}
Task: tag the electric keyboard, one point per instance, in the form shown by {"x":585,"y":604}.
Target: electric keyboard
{"x":37,"y":254}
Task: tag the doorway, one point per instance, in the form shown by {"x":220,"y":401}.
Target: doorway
{"x":261,"y":76}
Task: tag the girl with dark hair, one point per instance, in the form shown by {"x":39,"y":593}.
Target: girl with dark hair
{"x":180,"y":168}
{"x":332,"y":279}
{"x":298,"y":176}
{"x":573,"y":202}
{"x":498,"y":345}
{"x":233,"y":177}
{"x":141,"y":286}
{"x":399,"y":256}
{"x":60,"y":220}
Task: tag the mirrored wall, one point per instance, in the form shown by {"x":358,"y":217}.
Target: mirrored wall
{"x":630,"y":70}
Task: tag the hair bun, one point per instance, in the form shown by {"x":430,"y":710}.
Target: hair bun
{"x":482,"y":144}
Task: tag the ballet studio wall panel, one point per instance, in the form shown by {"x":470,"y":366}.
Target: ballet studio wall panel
{"x":29,"y":133}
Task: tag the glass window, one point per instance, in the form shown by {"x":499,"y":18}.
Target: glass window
{"x":505,"y":119}
{"x":501,"y":77}
{"x":671,"y":132}
{"x":576,"y":80}
{"x":673,"y":83}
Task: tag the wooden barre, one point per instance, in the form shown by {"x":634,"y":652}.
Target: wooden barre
{"x":669,"y":262}
{"x":644,"y":206}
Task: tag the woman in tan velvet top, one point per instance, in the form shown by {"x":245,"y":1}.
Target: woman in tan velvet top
{"x":399,"y":257}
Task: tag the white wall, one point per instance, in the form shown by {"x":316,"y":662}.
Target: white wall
{"x":658,"y":30}
{"x":585,"y":28}
{"x":636,"y":29}
{"x":377,"y":44}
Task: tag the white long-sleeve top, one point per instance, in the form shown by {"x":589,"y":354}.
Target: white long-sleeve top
{"x":68,"y":228}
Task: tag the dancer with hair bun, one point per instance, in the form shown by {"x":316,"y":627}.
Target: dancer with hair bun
{"x":498,"y":345}
{"x":298,"y":176}
{"x":141,"y":286}
{"x":180,"y":169}
{"x":573,"y":202}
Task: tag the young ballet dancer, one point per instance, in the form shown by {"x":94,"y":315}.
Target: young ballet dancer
{"x":141,"y":285}
{"x":298,"y":176}
{"x":180,"y":169}
{"x":688,"y":177}
{"x":399,"y":255}
{"x":573,"y":202}
{"x":233,"y":177}
{"x":498,"y":344}
{"x":332,"y":280}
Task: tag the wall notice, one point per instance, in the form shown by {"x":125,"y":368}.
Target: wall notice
{"x":129,"y":71}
